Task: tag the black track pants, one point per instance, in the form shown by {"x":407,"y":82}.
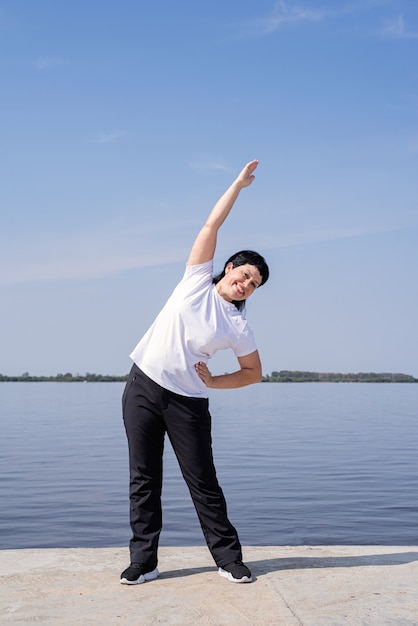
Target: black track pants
{"x":149,"y":411}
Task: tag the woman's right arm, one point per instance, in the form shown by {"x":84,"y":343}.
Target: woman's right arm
{"x":204,"y":246}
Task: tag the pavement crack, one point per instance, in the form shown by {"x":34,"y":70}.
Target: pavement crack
{"x":279,"y":593}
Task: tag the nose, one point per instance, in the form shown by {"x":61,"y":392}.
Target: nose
{"x":245,"y":287}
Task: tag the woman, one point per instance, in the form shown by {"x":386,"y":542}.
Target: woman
{"x":167,"y":392}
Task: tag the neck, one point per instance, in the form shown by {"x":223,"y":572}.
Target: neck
{"x":219,"y":289}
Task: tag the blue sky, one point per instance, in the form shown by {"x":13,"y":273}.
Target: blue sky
{"x":121,"y":124}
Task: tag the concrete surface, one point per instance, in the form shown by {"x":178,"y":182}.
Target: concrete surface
{"x":293,"y":586}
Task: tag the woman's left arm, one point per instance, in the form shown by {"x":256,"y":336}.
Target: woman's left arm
{"x":203,"y":248}
{"x":249,"y":373}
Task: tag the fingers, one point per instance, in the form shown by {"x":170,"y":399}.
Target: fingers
{"x":252,"y":165}
{"x":203,"y":372}
{"x":246,"y":176}
{"x":201,"y":368}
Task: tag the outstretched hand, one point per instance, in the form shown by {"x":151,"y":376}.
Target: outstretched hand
{"x":246,"y":176}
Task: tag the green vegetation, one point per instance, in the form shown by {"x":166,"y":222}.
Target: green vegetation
{"x":64,"y":378}
{"x":286,"y":376}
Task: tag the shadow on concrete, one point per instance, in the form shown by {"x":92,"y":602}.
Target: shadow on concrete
{"x":303,"y":562}
{"x":265,"y":566}
{"x":191,"y":571}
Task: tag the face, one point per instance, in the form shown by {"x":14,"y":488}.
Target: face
{"x":239,"y":283}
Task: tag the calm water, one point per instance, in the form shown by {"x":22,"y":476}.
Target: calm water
{"x":299,"y":464}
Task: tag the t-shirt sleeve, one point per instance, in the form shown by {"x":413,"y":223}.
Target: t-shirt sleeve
{"x":245,"y":343}
{"x":198,"y":274}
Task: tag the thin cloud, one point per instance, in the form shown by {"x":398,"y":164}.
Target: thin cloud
{"x":302,"y":238}
{"x":396,"y":29}
{"x":209,"y":166}
{"x":283,"y":13}
{"x":48,"y":63}
{"x":92,"y":255}
{"x":109,"y":137}
{"x":63,"y":267}
{"x":286,"y":13}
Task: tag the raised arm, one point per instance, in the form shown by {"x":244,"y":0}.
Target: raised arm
{"x":204,"y":245}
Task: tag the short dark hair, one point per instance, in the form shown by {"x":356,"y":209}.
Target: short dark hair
{"x":242,"y":258}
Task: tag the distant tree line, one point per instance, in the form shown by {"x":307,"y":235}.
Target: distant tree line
{"x":286,"y":376}
{"x":65,"y":378}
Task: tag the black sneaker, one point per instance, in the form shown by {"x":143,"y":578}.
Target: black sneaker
{"x":136,"y":574}
{"x":236,"y":572}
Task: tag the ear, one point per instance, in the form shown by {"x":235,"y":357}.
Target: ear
{"x":229,"y":267}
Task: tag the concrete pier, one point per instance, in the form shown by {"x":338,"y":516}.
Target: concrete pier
{"x":293,"y":586}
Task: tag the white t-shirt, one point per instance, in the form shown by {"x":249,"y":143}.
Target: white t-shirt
{"x":194,"y":323}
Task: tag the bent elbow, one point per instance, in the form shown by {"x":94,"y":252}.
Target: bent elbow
{"x":256,"y":376}
{"x":259,"y":377}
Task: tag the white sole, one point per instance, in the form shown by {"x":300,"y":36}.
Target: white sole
{"x":229,"y":576}
{"x":142,"y":579}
